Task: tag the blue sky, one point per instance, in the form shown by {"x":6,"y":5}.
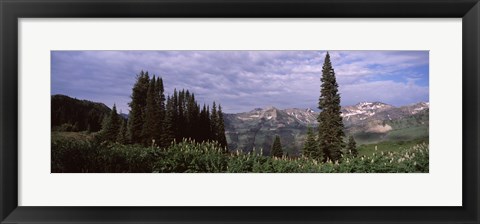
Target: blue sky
{"x":243,"y":80}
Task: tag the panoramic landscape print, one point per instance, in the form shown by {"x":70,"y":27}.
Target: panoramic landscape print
{"x":240,"y":111}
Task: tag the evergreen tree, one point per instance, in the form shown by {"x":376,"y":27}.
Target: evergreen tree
{"x":122,"y":133}
{"x":208,"y":127}
{"x":276,"y":150}
{"x":192,"y":117}
{"x":175,"y":116}
{"x":204,"y":124}
{"x":168,"y":134}
{"x":330,"y":127}
{"x":214,"y":123}
{"x":150,"y":126}
{"x":112,"y":126}
{"x":181,"y":122}
{"x":196,"y":121}
{"x":221,"y":129}
{"x":137,"y":106}
{"x":160,"y":119}
{"x":310,"y":147}
{"x":352,"y":146}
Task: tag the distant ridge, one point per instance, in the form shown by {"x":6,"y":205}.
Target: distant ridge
{"x":368,"y":121}
{"x":71,"y":114}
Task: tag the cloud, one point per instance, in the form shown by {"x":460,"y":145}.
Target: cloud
{"x":243,"y":80}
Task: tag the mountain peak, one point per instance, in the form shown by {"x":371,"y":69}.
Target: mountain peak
{"x":417,"y":107}
{"x":365,"y":109}
{"x":371,"y":104}
{"x":262,"y":110}
{"x":270,"y":108}
{"x":309,"y":110}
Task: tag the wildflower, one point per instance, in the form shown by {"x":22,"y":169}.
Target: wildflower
{"x":371,"y":161}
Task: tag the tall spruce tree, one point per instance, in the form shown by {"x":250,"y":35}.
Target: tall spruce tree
{"x":214,"y":123}
{"x":330,"y":137}
{"x":222,"y":139}
{"x":276,"y":150}
{"x":112,"y":126}
{"x":192,"y":116}
{"x":181,"y":122}
{"x":168,"y":134}
{"x":310,"y":147}
{"x":352,"y":146}
{"x":152,"y":115}
{"x":175,"y":116}
{"x":137,"y":106}
{"x":160,"y":117}
{"x":204,"y":124}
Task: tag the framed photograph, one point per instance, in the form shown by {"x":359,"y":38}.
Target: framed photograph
{"x":239,"y":112}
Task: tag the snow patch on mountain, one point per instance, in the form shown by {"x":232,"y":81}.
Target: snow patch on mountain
{"x":364,"y":109}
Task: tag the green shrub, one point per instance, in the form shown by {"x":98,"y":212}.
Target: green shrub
{"x":92,"y":155}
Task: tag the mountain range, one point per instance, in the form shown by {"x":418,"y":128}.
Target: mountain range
{"x":368,"y":122}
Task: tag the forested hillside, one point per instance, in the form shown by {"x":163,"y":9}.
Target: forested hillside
{"x":71,"y":114}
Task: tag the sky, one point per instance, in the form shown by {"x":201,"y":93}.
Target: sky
{"x":243,"y":80}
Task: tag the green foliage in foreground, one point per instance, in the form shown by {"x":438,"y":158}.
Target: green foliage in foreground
{"x":77,"y":156}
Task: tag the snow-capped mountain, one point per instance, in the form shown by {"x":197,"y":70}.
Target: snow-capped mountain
{"x":380,"y":111}
{"x":364,"y":110}
{"x":256,"y":128}
{"x":416,"y":108}
{"x":305,"y":116}
{"x":277,"y":117}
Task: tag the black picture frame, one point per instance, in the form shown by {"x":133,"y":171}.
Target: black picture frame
{"x":12,"y":10}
